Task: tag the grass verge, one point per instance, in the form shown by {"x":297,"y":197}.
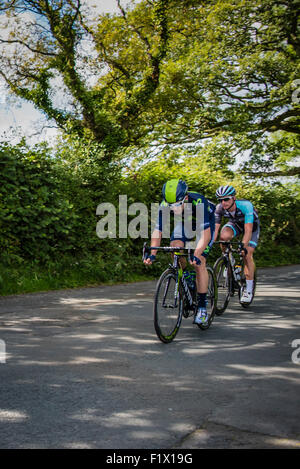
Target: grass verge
{"x":23,"y":276}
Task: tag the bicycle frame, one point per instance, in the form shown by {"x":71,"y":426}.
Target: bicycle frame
{"x":183,"y":299}
{"x":229,"y":255}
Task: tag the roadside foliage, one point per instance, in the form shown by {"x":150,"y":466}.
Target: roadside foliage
{"x":206,"y":91}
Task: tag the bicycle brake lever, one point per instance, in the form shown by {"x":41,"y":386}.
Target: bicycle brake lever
{"x":242,"y":248}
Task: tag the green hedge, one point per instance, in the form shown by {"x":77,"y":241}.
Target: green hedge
{"x":48,"y":215}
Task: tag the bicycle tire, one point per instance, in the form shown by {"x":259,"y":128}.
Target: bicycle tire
{"x":224,"y":284}
{"x":167,"y":316}
{"x":243,"y":285}
{"x":212,"y":294}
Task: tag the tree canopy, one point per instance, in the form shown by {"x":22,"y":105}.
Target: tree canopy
{"x":163,"y":73}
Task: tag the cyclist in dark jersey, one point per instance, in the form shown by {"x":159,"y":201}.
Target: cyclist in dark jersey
{"x":241,"y":219}
{"x":177,"y":199}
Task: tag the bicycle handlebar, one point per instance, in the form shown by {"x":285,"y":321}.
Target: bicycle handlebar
{"x":147,"y":249}
{"x":230,"y":243}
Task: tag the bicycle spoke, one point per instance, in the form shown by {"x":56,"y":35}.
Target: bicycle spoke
{"x":167,"y":308}
{"x":223,"y":284}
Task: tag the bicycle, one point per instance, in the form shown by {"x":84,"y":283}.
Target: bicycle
{"x":174,"y":298}
{"x":231,"y":276}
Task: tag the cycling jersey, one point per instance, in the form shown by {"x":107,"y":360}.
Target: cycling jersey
{"x":245,"y":213}
{"x":194,"y":198}
{"x":189,"y":226}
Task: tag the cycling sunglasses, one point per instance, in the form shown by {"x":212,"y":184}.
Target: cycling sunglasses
{"x":177,"y":204}
{"x":225,"y":199}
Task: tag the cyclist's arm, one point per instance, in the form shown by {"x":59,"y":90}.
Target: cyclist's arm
{"x":247,"y":209}
{"x":217,"y":229}
{"x":155,"y":241}
{"x":218,"y":220}
{"x":203,"y":242}
{"x":157,"y":234}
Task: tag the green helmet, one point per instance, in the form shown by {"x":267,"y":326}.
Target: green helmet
{"x":174,"y":190}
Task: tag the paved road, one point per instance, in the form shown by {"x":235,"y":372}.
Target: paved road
{"x":84,"y":369}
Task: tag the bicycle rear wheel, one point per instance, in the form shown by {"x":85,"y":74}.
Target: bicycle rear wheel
{"x":168,"y":307}
{"x":211,"y":297}
{"x":224,"y":284}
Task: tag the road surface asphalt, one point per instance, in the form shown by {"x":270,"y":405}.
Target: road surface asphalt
{"x":83,"y":368}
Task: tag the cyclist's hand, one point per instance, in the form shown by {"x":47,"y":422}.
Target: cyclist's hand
{"x":149,"y":260}
{"x":195,"y":260}
{"x":244,"y":250}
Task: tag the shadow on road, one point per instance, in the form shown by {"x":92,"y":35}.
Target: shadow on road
{"x":84,"y":369}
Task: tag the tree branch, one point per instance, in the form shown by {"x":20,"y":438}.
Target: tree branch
{"x":294,"y":171}
{"x":280,"y":122}
{"x":19,"y":41}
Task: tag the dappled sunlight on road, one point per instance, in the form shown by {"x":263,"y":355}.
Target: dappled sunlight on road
{"x":270,"y":290}
{"x":81,"y":303}
{"x":131,"y":417}
{"x":285,"y":443}
{"x":118,"y":377}
{"x":273,"y":372}
{"x":86,"y":370}
{"x":12,"y":416}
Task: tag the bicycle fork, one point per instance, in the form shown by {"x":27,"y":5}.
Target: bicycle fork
{"x":235,"y":277}
{"x":186,"y":289}
{"x":176,"y":294}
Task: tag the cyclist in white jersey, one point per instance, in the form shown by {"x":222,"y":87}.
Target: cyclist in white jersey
{"x":242,"y":220}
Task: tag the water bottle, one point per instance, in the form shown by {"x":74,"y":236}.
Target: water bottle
{"x":190,"y":278}
{"x":193,"y":280}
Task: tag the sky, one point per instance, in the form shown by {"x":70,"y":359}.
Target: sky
{"x":19,"y":117}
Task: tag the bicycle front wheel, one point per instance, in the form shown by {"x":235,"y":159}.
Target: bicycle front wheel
{"x":224,"y":284}
{"x":168,"y":307}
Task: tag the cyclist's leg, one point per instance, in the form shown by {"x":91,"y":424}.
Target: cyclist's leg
{"x":180,"y":236}
{"x":201,"y":271}
{"x":247,"y":292}
{"x":206,"y":287}
{"x":249,"y":261}
{"x":202,"y":276}
{"x":229,"y":231}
